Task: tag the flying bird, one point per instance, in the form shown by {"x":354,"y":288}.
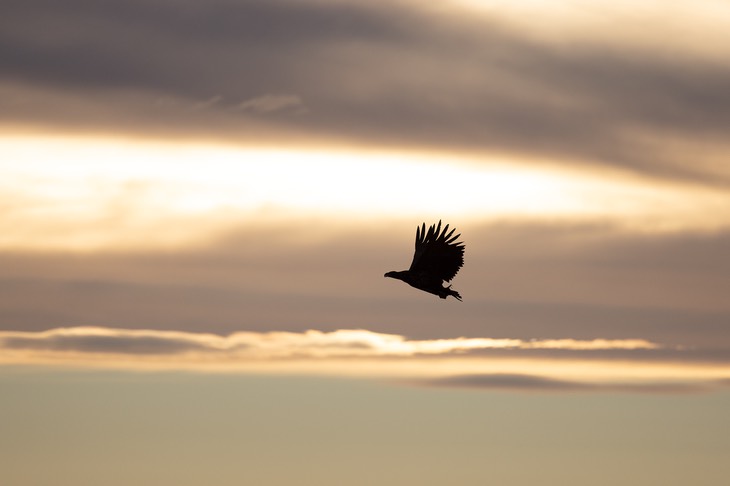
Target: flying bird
{"x":438,"y":258}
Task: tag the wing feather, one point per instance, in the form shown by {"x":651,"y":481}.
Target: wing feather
{"x":437,"y":252}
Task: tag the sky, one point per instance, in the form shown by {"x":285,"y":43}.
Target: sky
{"x":198,"y":202}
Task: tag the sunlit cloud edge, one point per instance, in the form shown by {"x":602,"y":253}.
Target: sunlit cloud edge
{"x":446,"y":363}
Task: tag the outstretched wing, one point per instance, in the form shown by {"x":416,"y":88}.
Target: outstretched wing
{"x":437,"y":252}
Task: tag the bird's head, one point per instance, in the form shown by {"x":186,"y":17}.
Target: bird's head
{"x":396,"y":275}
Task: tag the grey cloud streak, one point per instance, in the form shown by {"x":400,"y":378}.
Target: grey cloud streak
{"x":106,"y":343}
{"x":399,"y":75}
{"x":540,"y":384}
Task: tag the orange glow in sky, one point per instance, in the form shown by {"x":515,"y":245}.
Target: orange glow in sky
{"x":87,"y":192}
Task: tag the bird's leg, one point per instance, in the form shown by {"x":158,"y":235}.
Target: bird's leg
{"x":453,"y":293}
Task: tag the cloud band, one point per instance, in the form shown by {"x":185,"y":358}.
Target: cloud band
{"x":273,"y":345}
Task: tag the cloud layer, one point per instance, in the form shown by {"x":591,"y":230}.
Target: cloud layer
{"x":479,"y":363}
{"x":276,"y":345}
{"x":537,"y":281}
{"x":402,"y":74}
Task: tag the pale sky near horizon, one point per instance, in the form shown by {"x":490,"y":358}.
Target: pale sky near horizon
{"x":198,"y":202}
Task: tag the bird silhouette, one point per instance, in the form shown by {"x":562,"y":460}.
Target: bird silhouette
{"x":438,"y":258}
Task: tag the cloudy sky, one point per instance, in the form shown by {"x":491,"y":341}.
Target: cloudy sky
{"x":198,"y":202}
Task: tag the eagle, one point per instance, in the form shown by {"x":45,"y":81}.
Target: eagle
{"x":438,"y":258}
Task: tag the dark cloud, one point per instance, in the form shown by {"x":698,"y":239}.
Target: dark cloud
{"x":533,"y":383}
{"x":400,"y":74}
{"x":686,"y":355}
{"x":183,"y":48}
